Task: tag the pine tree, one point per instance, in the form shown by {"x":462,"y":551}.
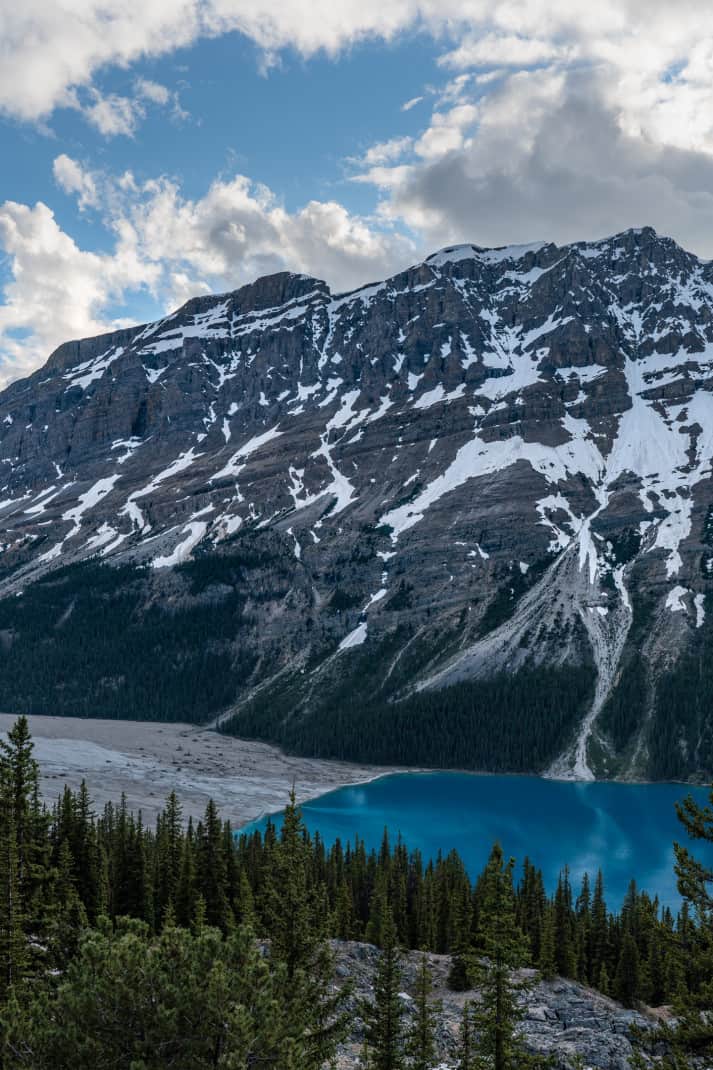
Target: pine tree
{"x":14,"y":950}
{"x":599,"y":933}
{"x":20,"y":779}
{"x":380,"y":911}
{"x":565,"y":950}
{"x":185,"y":999}
{"x":186,"y":887}
{"x":66,"y":919}
{"x":169,"y":838}
{"x":422,"y":1038}
{"x":583,"y":924}
{"x":425,"y":934}
{"x":627,"y":979}
{"x":459,"y":975}
{"x":84,"y":850}
{"x":690,"y":1041}
{"x":24,"y":854}
{"x":603,"y":983}
{"x":211,"y":868}
{"x":547,"y":964}
{"x":531,"y":906}
{"x":656,"y":971}
{"x":344,"y":912}
{"x":78,"y":867}
{"x":296,"y":924}
{"x":505,"y":949}
{"x":246,"y":901}
{"x":384,"y":1016}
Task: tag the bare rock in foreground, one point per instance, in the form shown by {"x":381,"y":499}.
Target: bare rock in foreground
{"x":563,"y":1018}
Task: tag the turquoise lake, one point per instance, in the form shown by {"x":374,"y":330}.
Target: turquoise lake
{"x":627,"y":830}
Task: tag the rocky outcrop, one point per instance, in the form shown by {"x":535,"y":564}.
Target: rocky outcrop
{"x":497,"y":460}
{"x":562,"y":1018}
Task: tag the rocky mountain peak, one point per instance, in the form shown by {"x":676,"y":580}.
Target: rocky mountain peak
{"x":504,"y":452}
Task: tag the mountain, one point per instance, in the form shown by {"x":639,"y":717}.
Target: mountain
{"x":460,"y":517}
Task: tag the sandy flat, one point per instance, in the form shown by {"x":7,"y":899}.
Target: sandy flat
{"x":146,"y":760}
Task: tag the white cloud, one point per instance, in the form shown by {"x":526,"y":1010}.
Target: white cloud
{"x":657,"y":55}
{"x":502,"y":50}
{"x":550,"y":158}
{"x":113,"y":114}
{"x":447,"y":131}
{"x":239,"y":230}
{"x":76,"y":181}
{"x":57,"y":290}
{"x":48,"y":50}
{"x":153,"y":91}
{"x":386,"y":151}
{"x":409,"y":104}
{"x":563,"y":121}
{"x":385,"y":177}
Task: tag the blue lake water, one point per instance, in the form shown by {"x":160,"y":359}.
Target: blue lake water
{"x":627,"y":830}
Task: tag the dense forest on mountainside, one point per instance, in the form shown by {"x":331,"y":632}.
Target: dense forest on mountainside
{"x":93,"y":640}
{"x":509,"y":723}
{"x":129,"y":947}
{"x":120,"y":642}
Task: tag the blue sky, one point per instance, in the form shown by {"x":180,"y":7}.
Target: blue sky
{"x":154,"y":149}
{"x":292,"y":127}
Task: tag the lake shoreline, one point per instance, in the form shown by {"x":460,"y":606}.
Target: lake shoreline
{"x":146,"y":760}
{"x":388,"y":773}
{"x":584,"y":826}
{"x":248,"y":779}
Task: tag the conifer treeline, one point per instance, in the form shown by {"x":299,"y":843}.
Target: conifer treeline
{"x":72,"y":862}
{"x":507,"y":723}
{"x":68,"y":879}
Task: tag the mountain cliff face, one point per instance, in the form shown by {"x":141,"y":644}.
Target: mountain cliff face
{"x":462,"y":516}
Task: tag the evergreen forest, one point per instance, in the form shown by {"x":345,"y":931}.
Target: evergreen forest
{"x":184,"y":946}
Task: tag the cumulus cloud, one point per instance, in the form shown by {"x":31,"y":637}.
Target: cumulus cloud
{"x":168,"y":246}
{"x":562,"y":121}
{"x":57,"y":291}
{"x":75,"y":180}
{"x":557,"y":120}
{"x":153,"y":91}
{"x":239,"y":230}
{"x":502,"y":50}
{"x":385,"y":152}
{"x":113,"y":114}
{"x":447,"y":131}
{"x":50,"y":50}
{"x":550,"y":159}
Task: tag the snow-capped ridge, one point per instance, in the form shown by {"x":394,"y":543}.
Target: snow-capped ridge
{"x":493,"y":255}
{"x":528,"y":426}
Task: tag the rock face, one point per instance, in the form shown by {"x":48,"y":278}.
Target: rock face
{"x":496,"y":461}
{"x":562,"y":1018}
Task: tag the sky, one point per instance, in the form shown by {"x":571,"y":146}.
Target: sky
{"x":152,"y":150}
